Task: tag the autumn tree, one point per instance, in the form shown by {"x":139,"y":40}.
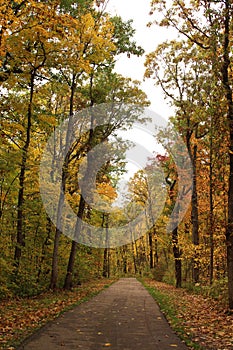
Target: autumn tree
{"x":56,"y":59}
{"x":181,"y":73}
{"x":116,"y":90}
{"x":26,"y":53}
{"x":208,"y":26}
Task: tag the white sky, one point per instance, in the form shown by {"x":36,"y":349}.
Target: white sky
{"x":148,"y":38}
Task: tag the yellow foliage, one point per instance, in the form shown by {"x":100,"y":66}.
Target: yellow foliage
{"x":106,"y":191}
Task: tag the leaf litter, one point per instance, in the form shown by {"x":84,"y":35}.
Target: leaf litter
{"x":204,"y":320}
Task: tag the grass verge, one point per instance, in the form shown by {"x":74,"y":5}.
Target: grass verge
{"x":168,"y":307}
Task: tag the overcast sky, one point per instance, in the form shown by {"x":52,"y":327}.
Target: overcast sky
{"x":148,"y":38}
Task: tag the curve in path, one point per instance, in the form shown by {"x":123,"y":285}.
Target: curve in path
{"x":122,"y":317}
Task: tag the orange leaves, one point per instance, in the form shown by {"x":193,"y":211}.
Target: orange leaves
{"x":106,"y":191}
{"x":19,"y":317}
{"x":204,"y":320}
{"x":7,"y":16}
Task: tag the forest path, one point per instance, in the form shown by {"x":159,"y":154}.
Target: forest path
{"x":122,"y":317}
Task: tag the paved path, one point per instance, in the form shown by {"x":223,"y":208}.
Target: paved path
{"x":122,"y":317}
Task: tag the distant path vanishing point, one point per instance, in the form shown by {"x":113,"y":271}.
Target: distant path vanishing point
{"x":121,"y":317}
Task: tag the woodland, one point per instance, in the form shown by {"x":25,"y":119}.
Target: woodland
{"x":57,"y":58}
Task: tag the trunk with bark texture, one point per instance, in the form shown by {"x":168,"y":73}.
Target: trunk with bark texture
{"x":195,"y":223}
{"x":177,"y":256}
{"x":228,"y":94}
{"x":74,"y":247}
{"x":54,"y":272}
{"x":20,"y":218}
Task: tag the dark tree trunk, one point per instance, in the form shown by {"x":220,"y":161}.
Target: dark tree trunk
{"x":106,"y":262}
{"x":156,"y":255}
{"x":175,"y":239}
{"x":82,"y":203}
{"x":134,"y":252}
{"x":228,"y":94}
{"x":195,"y":223}
{"x":211,"y":216}
{"x":134,"y":259}
{"x":74,"y":247}
{"x":151,"y":250}
{"x":177,"y":256}
{"x":124,"y":259}
{"x":20,"y":243}
{"x":44,"y":250}
{"x":70,"y":268}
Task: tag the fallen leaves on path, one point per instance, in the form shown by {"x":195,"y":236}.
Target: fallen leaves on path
{"x":20,"y":317}
{"x":204,"y":320}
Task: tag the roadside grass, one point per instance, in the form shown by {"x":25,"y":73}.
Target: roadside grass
{"x":168,"y":307}
{"x":203,"y":322}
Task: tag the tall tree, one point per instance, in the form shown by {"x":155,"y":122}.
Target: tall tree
{"x":118,"y":90}
{"x":88,"y":43}
{"x":204,"y":23}
{"x":33,"y":49}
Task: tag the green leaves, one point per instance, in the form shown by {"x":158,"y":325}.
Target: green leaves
{"x":123,"y":37}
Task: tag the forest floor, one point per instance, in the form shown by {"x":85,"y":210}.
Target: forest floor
{"x":201,"y":321}
{"x":20,"y":317}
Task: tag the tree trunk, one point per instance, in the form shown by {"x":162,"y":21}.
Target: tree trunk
{"x":228,"y":94}
{"x":20,"y":243}
{"x":134,"y":252}
{"x":177,"y":256}
{"x":124,"y":259}
{"x":151,"y":250}
{"x":82,"y":203}
{"x":195,"y":223}
{"x":211,"y":215}
{"x":44,"y":250}
{"x":106,"y":262}
{"x":152,"y":235}
{"x":156,"y":255}
{"x":108,"y":270}
{"x":175,"y":239}
{"x":70,"y":267}
{"x":54,"y":272}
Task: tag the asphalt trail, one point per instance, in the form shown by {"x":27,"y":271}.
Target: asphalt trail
{"x":122,"y":317}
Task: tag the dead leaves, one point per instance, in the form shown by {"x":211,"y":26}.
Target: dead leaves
{"x":204,"y":320}
{"x":18,"y":318}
